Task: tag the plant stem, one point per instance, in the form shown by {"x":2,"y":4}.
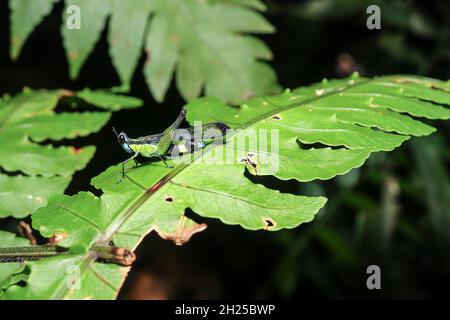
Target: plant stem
{"x":20,"y":254}
{"x":106,"y":253}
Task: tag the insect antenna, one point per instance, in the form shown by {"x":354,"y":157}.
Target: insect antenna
{"x":114,"y":130}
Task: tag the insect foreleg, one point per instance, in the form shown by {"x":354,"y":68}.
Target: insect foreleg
{"x":123,"y":166}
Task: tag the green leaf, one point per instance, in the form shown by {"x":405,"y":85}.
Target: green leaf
{"x":10,"y":273}
{"x":79,"y":43}
{"x":21,"y":195}
{"x":205,"y":43}
{"x":202,"y":40}
{"x":434,"y":183}
{"x":107,"y":100}
{"x":162,"y":53}
{"x":256,"y":4}
{"x":125,"y":47}
{"x":72,"y":277}
{"x":25,"y":16}
{"x":199,"y":41}
{"x":27,"y":121}
{"x":355,"y":116}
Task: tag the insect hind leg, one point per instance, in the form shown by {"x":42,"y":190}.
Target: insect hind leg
{"x":164,"y":160}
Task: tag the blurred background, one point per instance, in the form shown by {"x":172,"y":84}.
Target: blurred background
{"x":393,"y":212}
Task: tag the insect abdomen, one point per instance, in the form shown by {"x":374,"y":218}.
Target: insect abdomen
{"x":146,"y":150}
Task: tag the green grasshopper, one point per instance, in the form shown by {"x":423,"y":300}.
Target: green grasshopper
{"x":162,"y":144}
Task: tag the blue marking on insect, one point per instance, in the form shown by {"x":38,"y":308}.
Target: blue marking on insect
{"x":201,"y":144}
{"x":126,"y":147}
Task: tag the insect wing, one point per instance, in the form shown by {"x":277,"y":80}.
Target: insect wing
{"x":195,"y":138}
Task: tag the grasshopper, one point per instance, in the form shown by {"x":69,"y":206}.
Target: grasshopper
{"x":160,"y":145}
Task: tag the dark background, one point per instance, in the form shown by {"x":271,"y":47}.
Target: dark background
{"x":379,"y":214}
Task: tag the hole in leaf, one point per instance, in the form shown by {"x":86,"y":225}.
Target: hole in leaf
{"x":276,"y":117}
{"x":168,"y":199}
{"x":251,"y":163}
{"x":268,"y":223}
{"x":318,"y":145}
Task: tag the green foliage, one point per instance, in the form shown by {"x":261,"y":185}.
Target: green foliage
{"x":404,"y":24}
{"x":11,"y":273}
{"x":429,"y":155}
{"x":28,"y":121}
{"x":357,"y":115}
{"x":204,"y":42}
{"x":25,"y":15}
